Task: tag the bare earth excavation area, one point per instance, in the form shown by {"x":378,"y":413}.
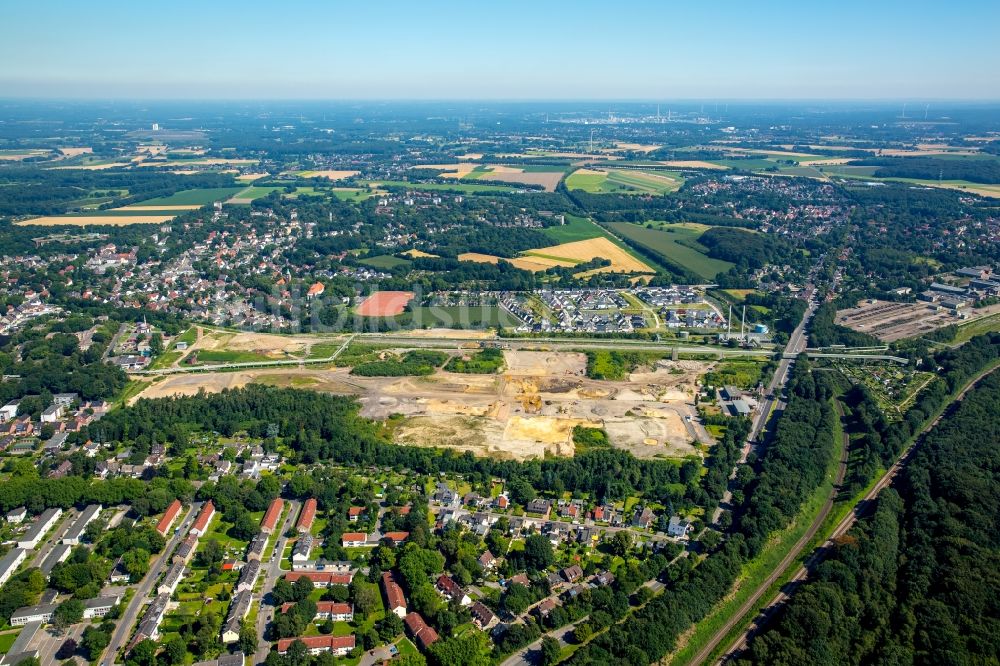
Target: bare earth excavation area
{"x":528,"y":411}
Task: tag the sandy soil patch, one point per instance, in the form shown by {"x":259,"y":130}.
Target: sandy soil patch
{"x":329,"y":174}
{"x":437,"y":333}
{"x":251,"y":176}
{"x":265,"y":344}
{"x":384,"y":303}
{"x":521,"y":363}
{"x":83,"y":221}
{"x":586,"y":250}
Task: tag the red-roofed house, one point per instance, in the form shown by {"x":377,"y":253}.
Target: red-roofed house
{"x":328,"y":610}
{"x":270,"y":520}
{"x":168,"y":517}
{"x":395,"y":601}
{"x":307,"y":516}
{"x":421,"y":633}
{"x":355,"y":512}
{"x":353,"y":539}
{"x":315,"y":289}
{"x":396,"y":538}
{"x":447,"y":586}
{"x":338,"y":645}
{"x":320,"y":578}
{"x":204,"y":518}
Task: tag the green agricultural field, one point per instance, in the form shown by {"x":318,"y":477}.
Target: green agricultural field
{"x":465,"y":188}
{"x":193,"y":197}
{"x":745,"y":374}
{"x":257,"y":192}
{"x":673,"y":242}
{"x":623,"y":182}
{"x":384,"y":261}
{"x":575,"y":229}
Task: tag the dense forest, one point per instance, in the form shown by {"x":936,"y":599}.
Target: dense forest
{"x":916,"y":583}
{"x":986,"y":170}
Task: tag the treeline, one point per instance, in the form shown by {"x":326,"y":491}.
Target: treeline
{"x":417,"y":362}
{"x":37,"y":494}
{"x":744,"y":248}
{"x":917,"y":582}
{"x":38,"y":191}
{"x":823,"y":332}
{"x":972,"y":170}
{"x":877,"y":440}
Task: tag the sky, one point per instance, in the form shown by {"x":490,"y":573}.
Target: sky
{"x":436,"y":49}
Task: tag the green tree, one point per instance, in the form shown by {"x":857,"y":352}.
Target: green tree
{"x":68,"y":613}
{"x":549,"y":651}
{"x":248,"y":638}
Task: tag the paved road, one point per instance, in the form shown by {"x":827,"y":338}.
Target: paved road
{"x":789,"y":557}
{"x":272,"y":572}
{"x":842,"y":528}
{"x":797,"y":342}
{"x":131,"y":614}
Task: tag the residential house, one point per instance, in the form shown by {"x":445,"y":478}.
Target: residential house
{"x":451,"y":590}
{"x":340,"y":646}
{"x":306,"y":516}
{"x":423,"y":635}
{"x":169,"y":516}
{"x":482,"y":616}
{"x":201,"y":523}
{"x":395,"y":600}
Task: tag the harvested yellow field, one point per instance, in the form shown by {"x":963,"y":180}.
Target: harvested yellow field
{"x":87,"y":220}
{"x":450,"y":170}
{"x":208,"y":161}
{"x":586,"y":250}
{"x":637,"y":147}
{"x":73,"y":152}
{"x":251,"y":176}
{"x":692,"y":164}
{"x":329,"y":174}
{"x":469,"y":156}
{"x":547,"y":179}
{"x":93,"y":167}
{"x":416,"y":254}
{"x":174,"y":207}
{"x":478,"y":258}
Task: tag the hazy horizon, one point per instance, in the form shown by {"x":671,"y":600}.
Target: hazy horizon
{"x":520,"y":51}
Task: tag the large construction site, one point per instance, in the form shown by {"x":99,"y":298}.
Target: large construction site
{"x":527,"y":410}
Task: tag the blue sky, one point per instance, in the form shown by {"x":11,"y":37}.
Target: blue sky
{"x":501,"y":50}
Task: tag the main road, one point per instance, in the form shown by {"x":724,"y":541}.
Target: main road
{"x":843,"y":527}
{"x":272,"y":571}
{"x":131,"y":613}
{"x":773,"y":400}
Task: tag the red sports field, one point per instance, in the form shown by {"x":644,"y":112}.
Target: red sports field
{"x":385,"y":303}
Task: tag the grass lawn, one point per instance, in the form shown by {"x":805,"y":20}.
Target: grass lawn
{"x":193,"y":197}
{"x":6,"y":640}
{"x":384,"y":261}
{"x":165,"y":360}
{"x":132,"y":389}
{"x":226,"y":356}
{"x":674,"y":244}
{"x":352,"y":194}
